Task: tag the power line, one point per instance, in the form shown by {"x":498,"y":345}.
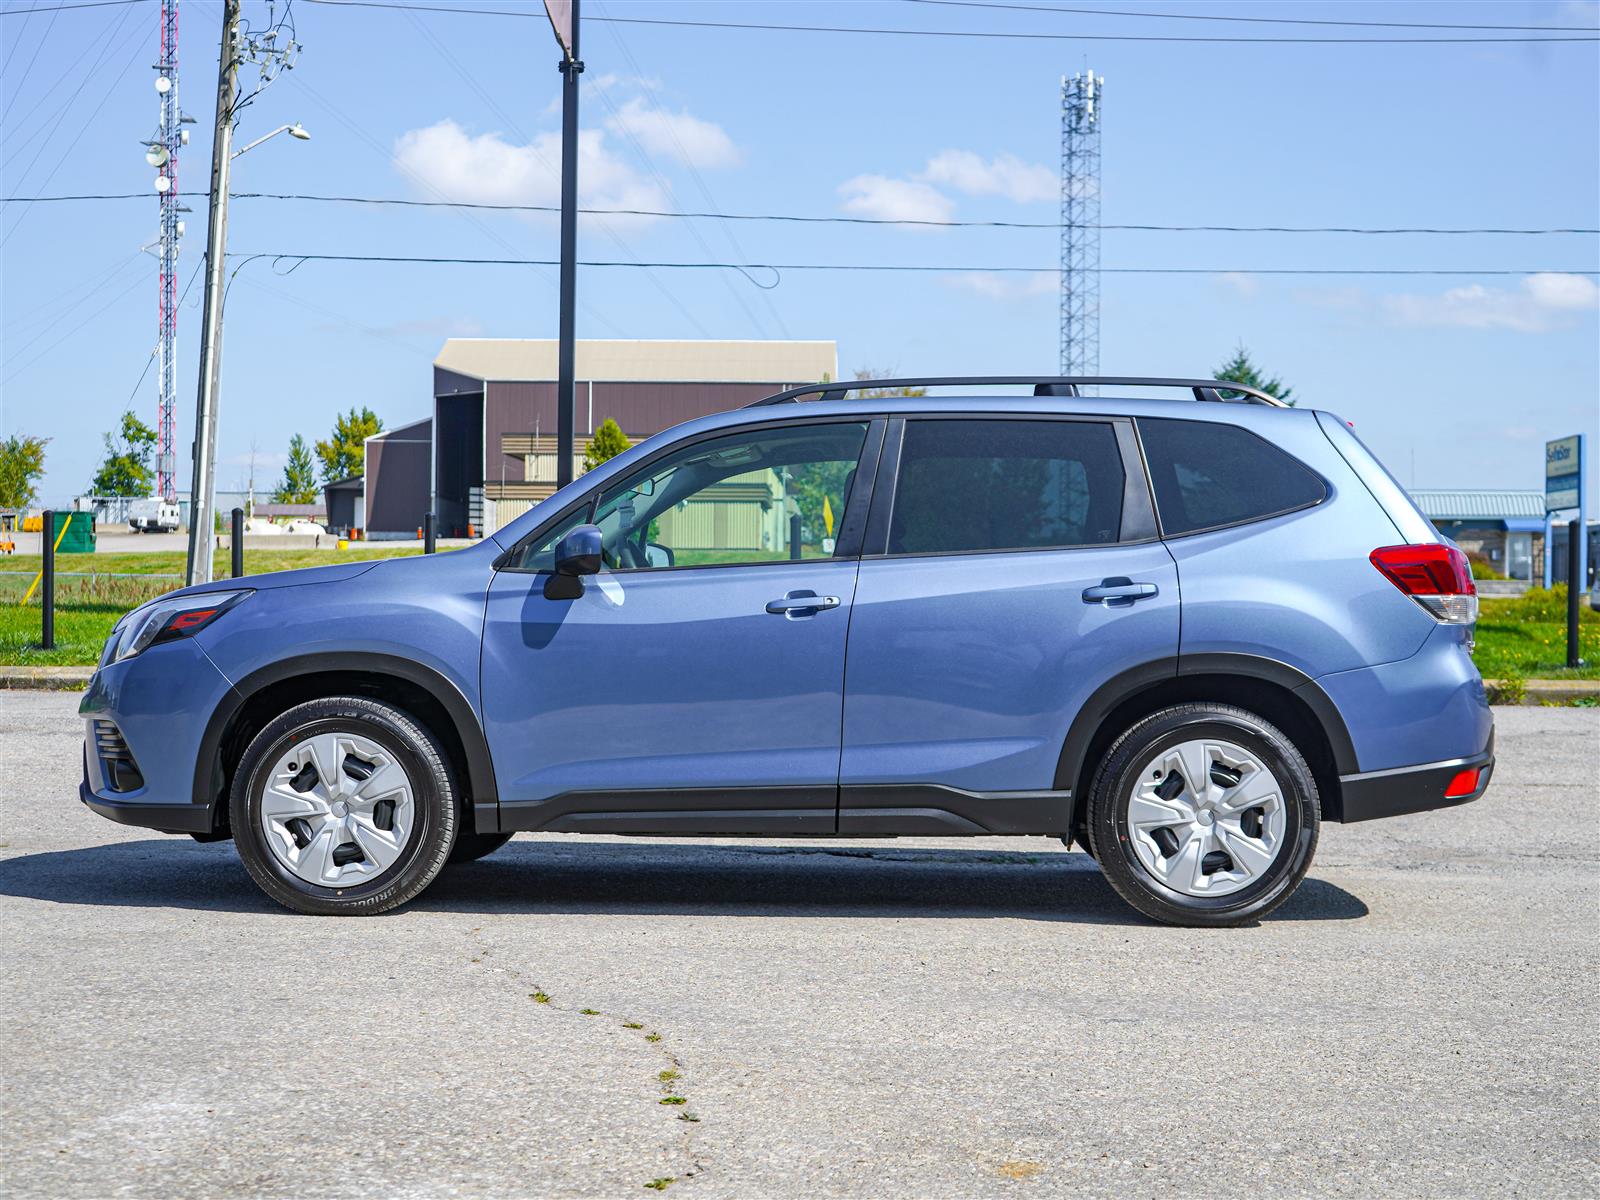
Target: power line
{"x":962,"y":33}
{"x":14,"y":12}
{"x":745,"y":268}
{"x":813,"y":220}
{"x":1120,"y":12}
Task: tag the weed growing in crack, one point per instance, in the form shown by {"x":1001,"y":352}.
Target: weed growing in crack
{"x":673,"y":1100}
{"x":662,"y":1184}
{"x":667,"y":1076}
{"x":590,"y":1012}
{"x":539,"y":997}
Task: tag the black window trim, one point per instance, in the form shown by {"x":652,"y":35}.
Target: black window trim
{"x":1327,"y":488}
{"x":850,"y":525}
{"x":1138,"y":525}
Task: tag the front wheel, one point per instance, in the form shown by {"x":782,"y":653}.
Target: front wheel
{"x":343,"y":806}
{"x":1204,"y":814}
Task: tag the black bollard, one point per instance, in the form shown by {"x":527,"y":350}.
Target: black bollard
{"x":794,"y":537}
{"x":47,"y":544}
{"x":428,"y":539}
{"x":1575,"y":531}
{"x":238,"y":542}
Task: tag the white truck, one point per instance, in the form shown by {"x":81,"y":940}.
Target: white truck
{"x":153,"y":516}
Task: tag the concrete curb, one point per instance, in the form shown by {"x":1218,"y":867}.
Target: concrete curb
{"x":1542,"y":691}
{"x":46,"y":679}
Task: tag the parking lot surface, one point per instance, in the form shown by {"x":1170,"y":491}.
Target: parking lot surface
{"x":911,"y":1018}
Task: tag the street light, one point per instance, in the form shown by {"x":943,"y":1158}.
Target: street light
{"x":296,"y":130}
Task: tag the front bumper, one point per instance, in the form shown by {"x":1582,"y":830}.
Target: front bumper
{"x":1402,"y":790}
{"x":158,"y":705}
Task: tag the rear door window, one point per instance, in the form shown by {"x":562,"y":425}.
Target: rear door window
{"x":974,"y":485}
{"x":1208,"y":475}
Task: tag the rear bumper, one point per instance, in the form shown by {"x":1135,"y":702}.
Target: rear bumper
{"x":1401,"y":790}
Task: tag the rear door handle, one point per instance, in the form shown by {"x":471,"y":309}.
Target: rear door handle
{"x":1118,"y":591}
{"x":801,"y":604}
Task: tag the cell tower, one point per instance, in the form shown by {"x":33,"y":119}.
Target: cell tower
{"x":1080,"y":223}
{"x":161,"y":152}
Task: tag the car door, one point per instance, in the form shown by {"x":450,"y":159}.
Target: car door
{"x":696,"y":684}
{"x":1011,"y":568}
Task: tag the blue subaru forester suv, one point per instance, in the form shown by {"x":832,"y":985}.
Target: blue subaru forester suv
{"x":1181,"y":633}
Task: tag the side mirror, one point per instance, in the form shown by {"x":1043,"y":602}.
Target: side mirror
{"x":577,"y":554}
{"x":657,"y":555}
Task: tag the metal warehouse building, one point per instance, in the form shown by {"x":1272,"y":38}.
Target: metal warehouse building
{"x":488,"y":451}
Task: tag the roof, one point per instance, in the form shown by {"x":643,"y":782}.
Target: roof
{"x":523,"y":360}
{"x":423,"y":423}
{"x":1466,"y":505}
{"x":354,"y":482}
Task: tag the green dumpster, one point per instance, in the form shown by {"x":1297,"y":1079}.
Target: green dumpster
{"x":75,"y":531}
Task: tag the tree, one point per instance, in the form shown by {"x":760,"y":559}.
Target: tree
{"x":1240,"y":369}
{"x":345,"y":454}
{"x":21,"y":466}
{"x":818,"y":489}
{"x":299,"y":484}
{"x":608,"y":442}
{"x":863,"y":373}
{"x":126,"y":470}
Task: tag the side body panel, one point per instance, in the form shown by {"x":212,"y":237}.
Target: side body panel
{"x":677,"y":682}
{"x":428,"y":609}
{"x":965,"y":671}
{"x":1299,"y":588}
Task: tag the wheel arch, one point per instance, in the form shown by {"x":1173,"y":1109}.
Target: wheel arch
{"x":421,"y":690}
{"x":1280,"y":693}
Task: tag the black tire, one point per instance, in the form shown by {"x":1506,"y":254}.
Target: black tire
{"x":435,"y":796}
{"x":470,"y":847}
{"x":1114,"y":785}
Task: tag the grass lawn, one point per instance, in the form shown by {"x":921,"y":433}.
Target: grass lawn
{"x":1526,"y":637}
{"x":87,"y":607}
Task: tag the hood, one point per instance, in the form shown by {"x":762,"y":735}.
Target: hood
{"x":333,"y":573}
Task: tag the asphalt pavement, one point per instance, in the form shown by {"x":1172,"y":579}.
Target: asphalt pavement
{"x":901,"y":1018}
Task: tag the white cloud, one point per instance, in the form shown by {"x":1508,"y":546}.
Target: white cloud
{"x":1539,"y":304}
{"x":996,"y":285}
{"x":888,"y":199}
{"x":916,"y":198}
{"x":676,"y":135}
{"x":1246,"y":287}
{"x":1003,"y":175}
{"x":448,"y":162}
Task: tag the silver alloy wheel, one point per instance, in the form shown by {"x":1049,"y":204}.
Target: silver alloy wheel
{"x":337,"y":809}
{"x":1206,"y":818}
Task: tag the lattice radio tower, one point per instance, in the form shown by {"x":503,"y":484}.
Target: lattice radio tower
{"x":1080,"y":223}
{"x":162,"y":154}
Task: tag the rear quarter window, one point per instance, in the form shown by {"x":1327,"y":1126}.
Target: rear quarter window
{"x":1207,"y":475}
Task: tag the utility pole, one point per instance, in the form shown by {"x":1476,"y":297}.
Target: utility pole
{"x":203,"y":484}
{"x":564,"y":19}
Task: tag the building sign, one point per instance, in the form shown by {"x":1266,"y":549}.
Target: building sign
{"x":1562,"y":463}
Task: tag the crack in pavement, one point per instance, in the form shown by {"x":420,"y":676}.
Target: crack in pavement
{"x":669,"y":1096}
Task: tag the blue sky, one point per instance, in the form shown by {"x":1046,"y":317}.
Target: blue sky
{"x":1455,"y":381}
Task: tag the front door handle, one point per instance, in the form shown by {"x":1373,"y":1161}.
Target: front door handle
{"x":1118,"y":592}
{"x":801,"y":604}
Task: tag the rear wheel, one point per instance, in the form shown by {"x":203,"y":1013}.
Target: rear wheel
{"x":343,"y":806}
{"x":1204,"y":814}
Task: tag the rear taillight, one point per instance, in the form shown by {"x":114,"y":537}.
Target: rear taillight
{"x":1436,"y":576}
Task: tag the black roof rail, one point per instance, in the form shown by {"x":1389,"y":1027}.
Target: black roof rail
{"x":1043,"y":385}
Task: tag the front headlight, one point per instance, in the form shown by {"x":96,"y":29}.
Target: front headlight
{"x":164,"y":620}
